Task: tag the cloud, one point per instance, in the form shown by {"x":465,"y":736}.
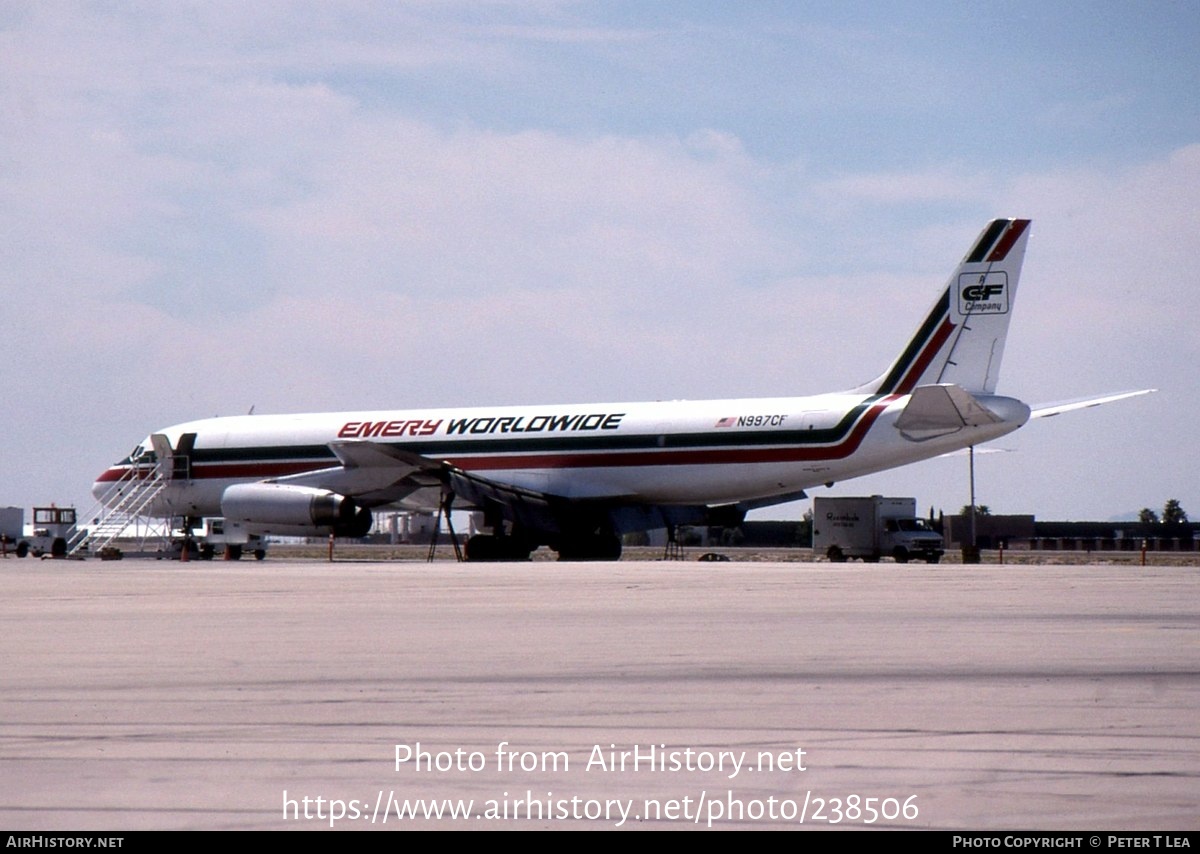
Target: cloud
{"x":399,"y":205}
{"x":943,"y":184}
{"x":1110,"y":260}
{"x":234,"y":206}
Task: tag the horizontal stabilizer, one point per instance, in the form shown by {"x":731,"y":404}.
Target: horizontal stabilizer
{"x":1049,"y":409}
{"x":937,"y":410}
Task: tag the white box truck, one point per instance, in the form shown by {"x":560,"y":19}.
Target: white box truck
{"x":872,"y":527}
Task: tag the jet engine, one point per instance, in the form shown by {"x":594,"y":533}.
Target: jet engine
{"x":295,"y":510}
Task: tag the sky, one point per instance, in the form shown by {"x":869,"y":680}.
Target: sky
{"x":311,"y":206}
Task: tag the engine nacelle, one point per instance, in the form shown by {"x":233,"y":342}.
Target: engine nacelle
{"x":285,"y":509}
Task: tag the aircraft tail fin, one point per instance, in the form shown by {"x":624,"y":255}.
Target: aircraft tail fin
{"x":961,"y":340}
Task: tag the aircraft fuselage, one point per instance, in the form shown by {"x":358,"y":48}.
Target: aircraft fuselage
{"x":676,"y":452}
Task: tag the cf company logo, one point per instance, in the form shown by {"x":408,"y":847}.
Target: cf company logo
{"x":983,"y":293}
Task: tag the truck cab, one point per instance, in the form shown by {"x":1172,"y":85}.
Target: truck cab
{"x":908,"y":538}
{"x":52,"y":528}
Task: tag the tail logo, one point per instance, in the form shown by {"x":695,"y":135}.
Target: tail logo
{"x":983,"y":293}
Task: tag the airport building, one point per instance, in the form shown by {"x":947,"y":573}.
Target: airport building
{"x":1025,"y":532}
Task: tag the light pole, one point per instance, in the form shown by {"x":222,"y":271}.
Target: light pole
{"x":970,"y":554}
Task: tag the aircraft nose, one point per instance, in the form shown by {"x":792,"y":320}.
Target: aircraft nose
{"x":103,"y":483}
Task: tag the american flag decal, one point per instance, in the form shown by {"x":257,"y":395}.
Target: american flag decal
{"x":727,"y":422}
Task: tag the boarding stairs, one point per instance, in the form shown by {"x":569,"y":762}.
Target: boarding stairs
{"x":119,"y":508}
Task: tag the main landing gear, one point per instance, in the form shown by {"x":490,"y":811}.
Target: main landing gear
{"x":590,"y":547}
{"x":489,"y":547}
{"x":510,"y":540}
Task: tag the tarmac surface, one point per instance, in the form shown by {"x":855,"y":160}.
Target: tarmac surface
{"x":281,"y":695}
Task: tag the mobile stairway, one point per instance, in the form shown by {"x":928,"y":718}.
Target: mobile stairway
{"x":119,"y":509}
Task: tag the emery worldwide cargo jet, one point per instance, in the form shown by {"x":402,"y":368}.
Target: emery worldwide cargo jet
{"x":576,"y":477}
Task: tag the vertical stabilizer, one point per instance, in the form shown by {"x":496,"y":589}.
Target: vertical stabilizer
{"x":961,"y":340}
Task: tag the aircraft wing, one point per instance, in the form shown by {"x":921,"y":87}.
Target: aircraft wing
{"x":1049,"y":409}
{"x":375,"y":474}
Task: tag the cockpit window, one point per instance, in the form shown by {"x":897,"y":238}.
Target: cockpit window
{"x":140,"y":455}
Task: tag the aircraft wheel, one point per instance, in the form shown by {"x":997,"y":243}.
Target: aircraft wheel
{"x":479,"y":547}
{"x":597,"y":547}
{"x":900,"y":554}
{"x":488,"y":547}
{"x":512,"y":548}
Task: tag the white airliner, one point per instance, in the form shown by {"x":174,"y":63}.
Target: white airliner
{"x":576,"y":477}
